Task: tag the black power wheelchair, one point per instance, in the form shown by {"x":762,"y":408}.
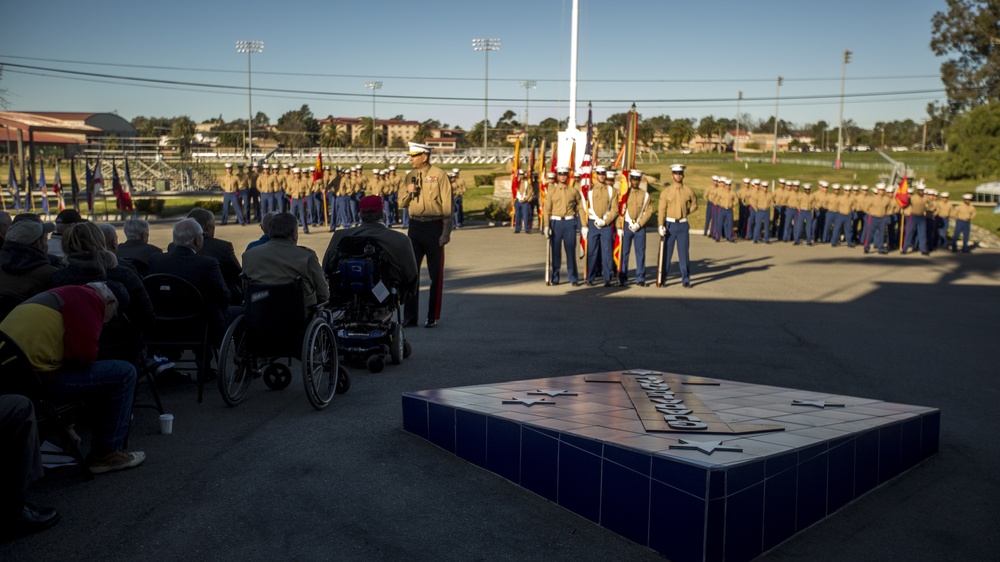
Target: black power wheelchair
{"x":365,"y":307}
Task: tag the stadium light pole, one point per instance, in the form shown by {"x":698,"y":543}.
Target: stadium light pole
{"x":528,"y":85}
{"x":840,"y":127}
{"x":373,"y":86}
{"x":739,"y":98}
{"x":249,"y":47}
{"x":774,"y":155}
{"x":486,"y":45}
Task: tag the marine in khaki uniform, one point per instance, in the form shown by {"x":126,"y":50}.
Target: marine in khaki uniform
{"x":458,"y":189}
{"x":562,"y":213}
{"x":298,"y":188}
{"x":841,"y":206}
{"x":762,"y":201}
{"x":963,"y":215}
{"x":725,"y":200}
{"x":942,"y":218}
{"x":426,"y":193}
{"x":230,"y":184}
{"x":637,"y":209}
{"x":602,"y":211}
{"x":677,"y":203}
{"x":878,"y":209}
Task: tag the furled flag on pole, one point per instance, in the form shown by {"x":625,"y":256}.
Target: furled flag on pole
{"x":74,"y":185}
{"x":515,"y":180}
{"x":585,"y":170}
{"x":45,"y":190}
{"x":543,"y":184}
{"x":903,"y":193}
{"x":627,"y":157}
{"x":14,"y":188}
{"x":116,"y":187}
{"x":127,"y":192}
{"x":318,"y":172}
{"x":57,"y":189}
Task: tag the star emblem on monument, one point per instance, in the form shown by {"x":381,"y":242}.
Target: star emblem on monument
{"x":821,"y":404}
{"x":529,"y":401}
{"x":707,"y":447}
{"x":552,"y":392}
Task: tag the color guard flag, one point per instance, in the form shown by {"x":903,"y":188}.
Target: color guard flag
{"x":903,"y":193}
{"x":45,"y":190}
{"x":127,"y":193}
{"x":57,"y":189}
{"x":318,"y":172}
{"x":74,"y":184}
{"x":16,"y":189}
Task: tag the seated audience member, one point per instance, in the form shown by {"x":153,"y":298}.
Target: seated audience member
{"x":25,"y":269}
{"x":20,"y":465}
{"x":222,"y":251}
{"x":397,"y":249}
{"x":265,"y":225}
{"x":203,"y":272}
{"x":65,"y":219}
{"x":281,"y":261}
{"x":110,"y":237}
{"x":4,"y":225}
{"x":136,"y":248}
{"x":59,"y":330}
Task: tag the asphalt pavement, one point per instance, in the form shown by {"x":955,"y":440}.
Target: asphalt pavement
{"x":274,"y":479}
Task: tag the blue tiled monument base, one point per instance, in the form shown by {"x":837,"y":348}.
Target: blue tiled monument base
{"x":695,"y":468}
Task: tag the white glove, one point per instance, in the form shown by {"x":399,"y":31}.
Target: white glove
{"x":584,"y":231}
{"x":621,"y":233}
{"x":633,"y":227}
{"x":547,"y":232}
{"x":663,"y":230}
{"x":599,"y":223}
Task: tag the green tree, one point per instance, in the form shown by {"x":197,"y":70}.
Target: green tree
{"x":973,"y":144}
{"x":969,"y":31}
{"x":365,"y":136}
{"x":182,"y":133}
{"x":298,"y":128}
{"x":423,"y":131}
{"x":681,"y":132}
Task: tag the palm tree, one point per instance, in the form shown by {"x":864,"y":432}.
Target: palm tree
{"x":681,"y":133}
{"x":365,"y":136}
{"x":423,"y":132}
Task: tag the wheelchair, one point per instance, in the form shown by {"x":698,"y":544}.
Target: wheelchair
{"x":366,"y":314}
{"x":275,"y":325}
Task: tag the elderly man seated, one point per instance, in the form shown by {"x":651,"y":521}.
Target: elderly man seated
{"x":222,"y":251}
{"x":136,"y":249}
{"x":59,"y":331}
{"x":396,"y":247}
{"x":201,"y":271}
{"x":281,"y":261}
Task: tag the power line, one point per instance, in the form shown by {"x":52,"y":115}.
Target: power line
{"x":473,"y":79}
{"x":350,"y":95}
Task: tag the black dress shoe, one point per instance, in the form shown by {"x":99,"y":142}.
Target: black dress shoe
{"x":607,"y":283}
{"x":430,"y":324}
{"x":686,"y":285}
{"x":33,"y":520}
{"x":409,"y":323}
{"x":640,"y":283}
{"x":577,"y":283}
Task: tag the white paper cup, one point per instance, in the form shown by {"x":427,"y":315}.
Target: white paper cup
{"x":166,"y":424}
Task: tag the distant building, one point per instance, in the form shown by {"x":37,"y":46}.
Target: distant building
{"x":73,"y":131}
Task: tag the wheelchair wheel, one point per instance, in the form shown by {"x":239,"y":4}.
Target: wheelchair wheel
{"x":320,"y":363}
{"x":277,"y":376}
{"x":343,"y":380}
{"x":396,"y":344}
{"x":376,"y":363}
{"x":234,"y":364}
{"x":407,"y":349}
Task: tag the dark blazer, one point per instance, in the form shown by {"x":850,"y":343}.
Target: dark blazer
{"x":201,"y":271}
{"x":137,"y":251}
{"x":230,"y":267}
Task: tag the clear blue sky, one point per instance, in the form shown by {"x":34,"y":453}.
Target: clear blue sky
{"x":665,"y":50}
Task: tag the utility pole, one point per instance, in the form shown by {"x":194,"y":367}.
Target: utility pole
{"x":840,"y":129}
{"x":777,"y":91}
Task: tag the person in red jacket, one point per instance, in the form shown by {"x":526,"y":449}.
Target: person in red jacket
{"x":59,"y":330}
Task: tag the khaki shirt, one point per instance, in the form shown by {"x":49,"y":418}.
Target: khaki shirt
{"x":763,"y":201}
{"x":918,"y":205}
{"x":676,"y":202}
{"x":459,"y":188}
{"x":880,"y":206}
{"x":602,"y":203}
{"x":637,"y":208}
{"x":229,"y":183}
{"x":433,"y":197}
{"x":281,"y":261}
{"x":943,"y":209}
{"x":242,"y":181}
{"x":963,"y":212}
{"x":562,"y":201}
